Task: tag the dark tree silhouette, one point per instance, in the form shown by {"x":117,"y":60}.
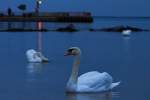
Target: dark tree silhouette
{"x":22,"y":7}
{"x":9,"y":11}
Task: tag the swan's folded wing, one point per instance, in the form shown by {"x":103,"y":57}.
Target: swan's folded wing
{"x":95,"y":80}
{"x":88,"y":78}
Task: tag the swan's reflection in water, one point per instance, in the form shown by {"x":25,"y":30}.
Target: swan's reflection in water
{"x":92,"y":96}
{"x":126,"y":38}
{"x":34,"y":70}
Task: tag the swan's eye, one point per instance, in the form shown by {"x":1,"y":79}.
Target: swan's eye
{"x":70,"y":50}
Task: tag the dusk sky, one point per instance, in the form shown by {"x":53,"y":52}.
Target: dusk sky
{"x":97,"y":7}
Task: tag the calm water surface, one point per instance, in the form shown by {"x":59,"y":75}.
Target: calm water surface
{"x":125,"y":58}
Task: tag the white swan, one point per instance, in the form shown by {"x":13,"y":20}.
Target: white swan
{"x":126,"y":32}
{"x":35,"y":57}
{"x":93,"y":81}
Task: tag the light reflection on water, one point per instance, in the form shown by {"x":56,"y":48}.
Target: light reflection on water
{"x":126,"y":47}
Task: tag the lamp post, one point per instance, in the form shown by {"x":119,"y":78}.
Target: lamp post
{"x":37,"y":9}
{"x":39,"y":25}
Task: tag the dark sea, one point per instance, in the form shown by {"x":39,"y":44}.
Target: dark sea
{"x":126,"y":58}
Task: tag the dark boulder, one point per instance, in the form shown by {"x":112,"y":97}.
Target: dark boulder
{"x":69,"y":28}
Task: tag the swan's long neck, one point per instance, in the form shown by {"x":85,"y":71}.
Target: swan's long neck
{"x":72,"y":83}
{"x":75,"y":69}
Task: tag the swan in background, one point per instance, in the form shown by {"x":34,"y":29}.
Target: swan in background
{"x":126,"y":32}
{"x":35,"y":57}
{"x":93,"y":81}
